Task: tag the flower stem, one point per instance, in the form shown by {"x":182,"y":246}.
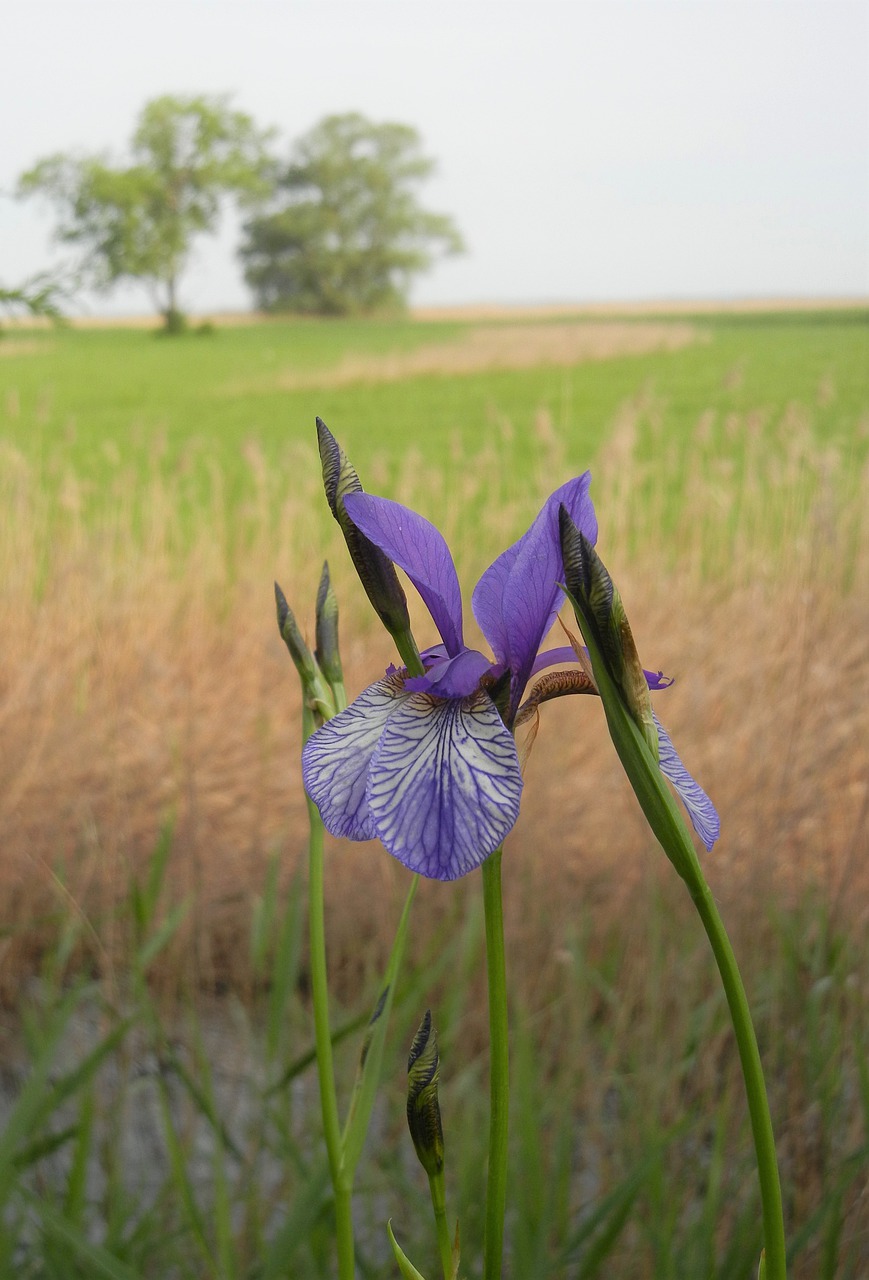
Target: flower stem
{"x":439,"y":1204}
{"x":499,"y":1077}
{"x":755,"y":1088}
{"x":323,"y":1038}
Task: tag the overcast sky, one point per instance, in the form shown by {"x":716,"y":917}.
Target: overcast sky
{"x":588,"y":151}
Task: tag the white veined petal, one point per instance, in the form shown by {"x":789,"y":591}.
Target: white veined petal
{"x":336,"y":759}
{"x":701,"y":810}
{"x":444,"y":784}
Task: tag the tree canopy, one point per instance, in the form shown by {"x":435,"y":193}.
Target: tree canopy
{"x":347,"y":233}
{"x":40,"y":295}
{"x":138,"y":221}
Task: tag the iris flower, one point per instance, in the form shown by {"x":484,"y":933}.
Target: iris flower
{"x":428,"y":764}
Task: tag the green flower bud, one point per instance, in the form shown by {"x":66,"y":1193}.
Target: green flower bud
{"x":423,"y":1109}
{"x":602,"y":610}
{"x":327,"y":652}
{"x":318,"y":696}
{"x":376,"y":572}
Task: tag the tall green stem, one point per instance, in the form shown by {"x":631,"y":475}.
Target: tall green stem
{"x":755,"y":1088}
{"x":439,"y":1204}
{"x":323,"y":1037}
{"x":499,"y":1074}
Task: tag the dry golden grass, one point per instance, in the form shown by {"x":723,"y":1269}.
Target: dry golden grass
{"x":140,"y":682}
{"x":23,"y":347}
{"x":471,"y":312}
{"x":486,"y":347}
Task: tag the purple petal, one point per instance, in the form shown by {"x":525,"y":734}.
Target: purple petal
{"x":517,"y":598}
{"x":336,"y":759}
{"x":444,"y":784}
{"x":454,"y":678}
{"x":555,"y":657}
{"x":415,"y":544}
{"x":552,"y":658}
{"x":700,"y":808}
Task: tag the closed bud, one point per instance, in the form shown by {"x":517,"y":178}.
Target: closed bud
{"x":595,"y":595}
{"x":317,"y":694}
{"x":376,"y":571}
{"x":423,"y":1109}
{"x":292,"y":637}
{"x":327,"y":652}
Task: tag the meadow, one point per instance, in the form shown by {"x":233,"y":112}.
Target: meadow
{"x":152,"y":955}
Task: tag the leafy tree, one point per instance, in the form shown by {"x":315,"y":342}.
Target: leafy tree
{"x":40,"y":295}
{"x":349,"y":233}
{"x":138,"y":222}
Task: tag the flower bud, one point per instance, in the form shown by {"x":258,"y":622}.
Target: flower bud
{"x":292,"y":637}
{"x":376,"y":572}
{"x":327,"y":651}
{"x":317,"y":694}
{"x":599,"y":602}
{"x":423,"y":1109}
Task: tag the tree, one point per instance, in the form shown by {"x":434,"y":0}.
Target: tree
{"x":40,"y":296}
{"x":138,"y":222}
{"x":349,"y":233}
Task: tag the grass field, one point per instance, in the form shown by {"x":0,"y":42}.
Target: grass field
{"x":150,"y":490}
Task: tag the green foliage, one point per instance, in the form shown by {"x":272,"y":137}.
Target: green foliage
{"x":40,"y":295}
{"x":755,"y":421}
{"x":138,"y":221}
{"x":348,"y":233}
{"x":616,"y":1166}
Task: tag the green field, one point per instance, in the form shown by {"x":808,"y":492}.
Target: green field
{"x":96,"y":400}
{"x":158,"y":1103}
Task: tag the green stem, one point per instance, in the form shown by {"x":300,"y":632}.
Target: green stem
{"x":323,"y":1036}
{"x":339,"y":693}
{"x":755,"y":1088}
{"x":439,"y":1204}
{"x":668,"y":825}
{"x":499,"y":1076}
{"x":407,"y":648}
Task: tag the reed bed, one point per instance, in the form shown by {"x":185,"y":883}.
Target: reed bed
{"x":144,"y":682}
{"x":147,"y":704}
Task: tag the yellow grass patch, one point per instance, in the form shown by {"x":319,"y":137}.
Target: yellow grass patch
{"x":487,"y":347}
{"x":24,"y":347}
{"x":138,"y":684}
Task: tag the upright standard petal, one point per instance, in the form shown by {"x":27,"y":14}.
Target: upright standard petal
{"x":701,"y":810}
{"x":444,"y":784}
{"x":376,"y":573}
{"x":336,"y":759}
{"x":517,"y":599}
{"x":417,"y":546}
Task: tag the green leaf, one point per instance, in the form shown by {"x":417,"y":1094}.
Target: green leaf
{"x":296,"y":1230}
{"x":163,"y":935}
{"x":285,"y":970}
{"x":100,"y":1262}
{"x":368,"y":1075}
{"x":405,"y":1266}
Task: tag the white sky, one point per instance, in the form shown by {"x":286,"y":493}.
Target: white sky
{"x":588,"y":151}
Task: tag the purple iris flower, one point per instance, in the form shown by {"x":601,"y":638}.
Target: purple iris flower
{"x":427,"y":763}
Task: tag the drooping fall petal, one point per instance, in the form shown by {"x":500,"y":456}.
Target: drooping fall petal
{"x":336,"y":759}
{"x":701,"y":810}
{"x":444,"y":784}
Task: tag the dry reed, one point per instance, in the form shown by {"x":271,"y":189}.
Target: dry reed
{"x":486,"y":347}
{"x":143,"y":681}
